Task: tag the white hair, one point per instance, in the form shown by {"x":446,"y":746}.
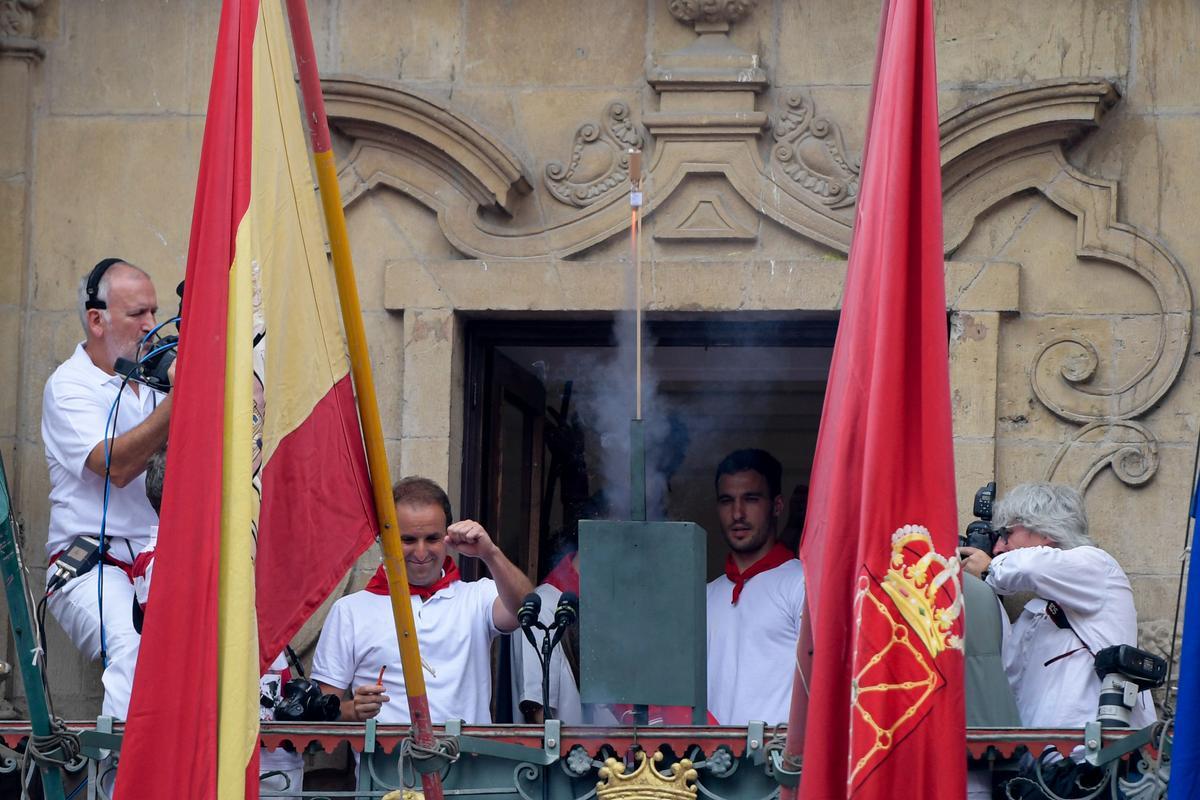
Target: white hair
{"x":1053,"y":510}
{"x":101,"y":291}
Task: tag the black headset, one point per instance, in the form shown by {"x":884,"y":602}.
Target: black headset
{"x":93,"y":283}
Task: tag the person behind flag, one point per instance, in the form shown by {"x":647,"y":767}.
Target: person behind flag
{"x":456,"y":621}
{"x":1083,"y":603}
{"x":754,"y":609}
{"x":87,"y":433}
{"x":565,"y":704}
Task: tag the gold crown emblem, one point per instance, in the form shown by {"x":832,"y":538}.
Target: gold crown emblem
{"x":646,"y":782}
{"x":917,"y":581}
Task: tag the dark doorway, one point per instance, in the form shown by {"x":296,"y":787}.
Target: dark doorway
{"x":548,"y":404}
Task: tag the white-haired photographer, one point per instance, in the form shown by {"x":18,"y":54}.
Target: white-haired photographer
{"x":1083,"y":603}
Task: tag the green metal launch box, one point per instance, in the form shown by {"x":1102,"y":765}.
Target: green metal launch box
{"x":642,"y":616}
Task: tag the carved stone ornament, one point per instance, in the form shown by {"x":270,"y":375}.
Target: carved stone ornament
{"x":1011,"y":142}
{"x":599,"y":161}
{"x":810,"y":150}
{"x":646,"y":782}
{"x":710,"y":16}
{"x":16,"y":17}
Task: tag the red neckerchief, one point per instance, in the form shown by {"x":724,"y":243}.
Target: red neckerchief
{"x":379,"y":581}
{"x":564,"y":577}
{"x":776,"y":556}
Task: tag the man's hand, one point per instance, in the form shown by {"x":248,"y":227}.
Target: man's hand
{"x":974,"y":560}
{"x":469,"y":538}
{"x":365,"y":703}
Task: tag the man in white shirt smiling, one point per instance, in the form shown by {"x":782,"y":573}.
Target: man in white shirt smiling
{"x":456,"y":621}
{"x":117,"y":305}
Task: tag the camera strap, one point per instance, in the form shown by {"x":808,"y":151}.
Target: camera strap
{"x":1059,"y":617}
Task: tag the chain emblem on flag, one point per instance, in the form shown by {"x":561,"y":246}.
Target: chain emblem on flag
{"x":905,"y":621}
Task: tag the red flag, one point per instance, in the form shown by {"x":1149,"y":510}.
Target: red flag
{"x":267,"y":500}
{"x":881,"y":527}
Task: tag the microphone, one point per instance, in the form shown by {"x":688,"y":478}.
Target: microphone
{"x":567,"y":612}
{"x":527,"y":616}
{"x":531,"y":606}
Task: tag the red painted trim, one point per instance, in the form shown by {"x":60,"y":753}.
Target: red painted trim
{"x":310,"y":81}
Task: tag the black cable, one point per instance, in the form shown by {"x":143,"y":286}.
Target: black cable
{"x":1168,"y":704}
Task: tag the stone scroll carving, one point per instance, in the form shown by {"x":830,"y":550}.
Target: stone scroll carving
{"x":810,"y":150}
{"x":599,"y":159}
{"x":1013,"y":142}
{"x":16,"y":17}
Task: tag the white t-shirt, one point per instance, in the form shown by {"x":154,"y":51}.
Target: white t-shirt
{"x":527,"y":668}
{"x":75,"y":408}
{"x":1093,"y":590}
{"x":752,"y":645}
{"x":455,"y":629}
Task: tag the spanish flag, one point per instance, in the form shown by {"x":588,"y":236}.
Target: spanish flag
{"x":267,"y":499}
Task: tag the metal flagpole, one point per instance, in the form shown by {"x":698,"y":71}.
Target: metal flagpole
{"x":364,"y":385}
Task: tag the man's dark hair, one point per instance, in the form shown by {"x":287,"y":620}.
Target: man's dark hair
{"x":417,"y":491}
{"x":760,"y":461}
{"x":156,"y":470}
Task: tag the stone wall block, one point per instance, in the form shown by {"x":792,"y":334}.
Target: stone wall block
{"x":50,"y":340}
{"x":973,"y":343}
{"x":10,"y":364}
{"x":12,"y":242}
{"x":979,"y":43}
{"x":88,"y":168}
{"x":850,"y":31}
{"x":974,"y":465}
{"x":1168,"y":59}
{"x":14,"y":122}
{"x":385,"y":339}
{"x":31,"y":490}
{"x":103,"y":65}
{"x":540,"y":42}
{"x":412,"y":40}
{"x":1155,"y":594}
{"x":430,"y":457}
{"x":814,"y":284}
{"x":428,"y":348}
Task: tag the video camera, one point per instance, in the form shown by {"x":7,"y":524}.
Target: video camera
{"x":155,"y":357}
{"x":979,"y":534}
{"x":302,"y":701}
{"x":1124,"y":671}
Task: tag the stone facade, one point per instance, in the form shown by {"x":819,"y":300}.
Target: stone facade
{"x":482,"y":157}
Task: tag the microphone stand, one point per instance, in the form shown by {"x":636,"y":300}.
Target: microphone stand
{"x":565,"y":615}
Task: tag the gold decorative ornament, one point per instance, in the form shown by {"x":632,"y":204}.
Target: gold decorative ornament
{"x":646,"y":782}
{"x":915,"y":586}
{"x":405,"y":794}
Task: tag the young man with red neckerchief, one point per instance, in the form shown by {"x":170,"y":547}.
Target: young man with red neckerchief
{"x":456,"y":621}
{"x":754,"y":609}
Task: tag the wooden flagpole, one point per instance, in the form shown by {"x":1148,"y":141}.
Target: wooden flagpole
{"x":364,"y":385}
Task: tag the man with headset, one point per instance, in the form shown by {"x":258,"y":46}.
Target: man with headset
{"x":100,"y":429}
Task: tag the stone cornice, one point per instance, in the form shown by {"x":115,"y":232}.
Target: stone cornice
{"x":372,"y":110}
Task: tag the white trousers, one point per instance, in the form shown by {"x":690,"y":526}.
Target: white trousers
{"x":76,"y":607}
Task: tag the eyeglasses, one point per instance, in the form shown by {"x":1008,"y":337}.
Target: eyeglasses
{"x":1003,"y":532}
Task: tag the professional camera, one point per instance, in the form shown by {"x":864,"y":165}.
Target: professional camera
{"x":154,"y":367}
{"x":1125,"y":671}
{"x":979,"y":534}
{"x":302,"y":701}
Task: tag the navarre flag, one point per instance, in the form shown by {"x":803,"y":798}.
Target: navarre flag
{"x":1185,"y":752}
{"x":267,"y":499}
{"x":885,"y":696}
